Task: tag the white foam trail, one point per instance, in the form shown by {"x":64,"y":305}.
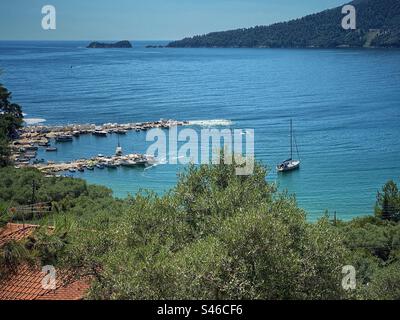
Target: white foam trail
{"x":211,"y":123}
{"x":152,"y":166}
{"x":163,"y":161}
{"x":30,"y":121}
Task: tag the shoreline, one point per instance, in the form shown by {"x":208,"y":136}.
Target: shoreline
{"x":88,"y":128}
{"x":32,"y":137}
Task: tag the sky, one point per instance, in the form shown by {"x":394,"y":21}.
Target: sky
{"x":146,"y":19}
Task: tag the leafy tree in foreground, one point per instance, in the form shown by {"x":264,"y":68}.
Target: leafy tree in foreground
{"x":215,"y":236}
{"x":4,"y":151}
{"x":11,"y":255}
{"x":388,"y":202}
{"x":10,"y":114}
{"x":375,"y":254}
{"x":10,"y":120}
{"x":386,"y":284}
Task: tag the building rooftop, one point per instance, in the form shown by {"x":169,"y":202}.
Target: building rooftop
{"x":25,"y":282}
{"x":15,"y":232}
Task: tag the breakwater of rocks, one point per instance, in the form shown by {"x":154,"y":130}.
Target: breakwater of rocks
{"x":31,"y":138}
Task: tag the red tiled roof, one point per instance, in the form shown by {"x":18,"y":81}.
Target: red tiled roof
{"x":15,"y":232}
{"x":74,"y":291}
{"x":25,"y":283}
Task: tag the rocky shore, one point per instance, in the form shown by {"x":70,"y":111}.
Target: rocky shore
{"x":31,"y":138}
{"x":98,"y":162}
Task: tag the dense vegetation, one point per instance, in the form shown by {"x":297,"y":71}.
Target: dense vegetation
{"x":220,"y":236}
{"x":73,"y":202}
{"x":317,"y":30}
{"x":26,"y":186}
{"x":10,"y":121}
{"x":214,"y":236}
{"x":388,"y":202}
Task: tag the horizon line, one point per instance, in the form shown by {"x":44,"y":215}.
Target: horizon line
{"x":24,"y":40}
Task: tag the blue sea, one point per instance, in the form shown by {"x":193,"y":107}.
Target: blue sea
{"x":345,"y":106}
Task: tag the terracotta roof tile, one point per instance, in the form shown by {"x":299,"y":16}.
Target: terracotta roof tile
{"x":15,"y":287}
{"x":15,"y":232}
{"x":26,"y":282}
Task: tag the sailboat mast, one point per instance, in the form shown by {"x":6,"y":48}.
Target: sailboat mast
{"x":291,"y":140}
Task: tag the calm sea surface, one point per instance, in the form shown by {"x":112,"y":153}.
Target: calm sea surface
{"x":345,"y":105}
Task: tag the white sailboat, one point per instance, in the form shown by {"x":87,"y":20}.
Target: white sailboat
{"x":118,"y":150}
{"x":290,"y":164}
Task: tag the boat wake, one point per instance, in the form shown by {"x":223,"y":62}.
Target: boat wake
{"x":31,"y":121}
{"x":162,"y":161}
{"x":211,"y":123}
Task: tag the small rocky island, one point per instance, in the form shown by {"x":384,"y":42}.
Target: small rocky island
{"x":119,"y":44}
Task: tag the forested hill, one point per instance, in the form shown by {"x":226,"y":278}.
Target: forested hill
{"x":378,"y":25}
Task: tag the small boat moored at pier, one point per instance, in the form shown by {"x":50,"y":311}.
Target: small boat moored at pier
{"x":44,"y":144}
{"x":22,"y":161}
{"x":141,"y":162}
{"x":64,"y":138}
{"x":25,"y":163}
{"x":37,"y":161}
{"x":128,"y":163}
{"x":100,"y":133}
{"x":111,"y":165}
{"x":31,"y":155}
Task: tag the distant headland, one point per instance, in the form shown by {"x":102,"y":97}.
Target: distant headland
{"x":119,"y":44}
{"x":377,"y":26}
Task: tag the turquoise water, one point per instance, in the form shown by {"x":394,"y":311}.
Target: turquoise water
{"x":344,"y":103}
